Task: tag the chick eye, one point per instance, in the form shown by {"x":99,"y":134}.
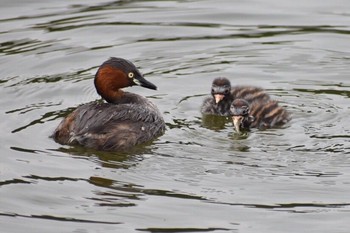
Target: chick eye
{"x":226,"y":92}
{"x":246,"y":111}
{"x":131,"y":75}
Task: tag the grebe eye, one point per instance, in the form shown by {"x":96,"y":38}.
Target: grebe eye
{"x":131,"y":75}
{"x":245,"y":111}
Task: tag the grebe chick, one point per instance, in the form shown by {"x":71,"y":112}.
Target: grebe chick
{"x":223,"y":95}
{"x":240,"y":115}
{"x":126,"y":119}
{"x":258,"y":114}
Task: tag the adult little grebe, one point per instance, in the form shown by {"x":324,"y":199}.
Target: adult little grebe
{"x":261,"y":115}
{"x":223,"y":95}
{"x":125,"y":121}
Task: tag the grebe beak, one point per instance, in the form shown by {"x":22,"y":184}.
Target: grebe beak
{"x":141,"y":81}
{"x":218,"y":97}
{"x":237,"y":120}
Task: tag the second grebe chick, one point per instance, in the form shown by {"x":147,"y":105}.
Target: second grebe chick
{"x":126,"y":119}
{"x":223,"y":95}
{"x":258,"y":114}
{"x":240,"y":115}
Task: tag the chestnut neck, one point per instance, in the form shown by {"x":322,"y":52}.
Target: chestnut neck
{"x":108,"y":83}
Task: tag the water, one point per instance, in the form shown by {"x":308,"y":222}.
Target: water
{"x":197,"y":177}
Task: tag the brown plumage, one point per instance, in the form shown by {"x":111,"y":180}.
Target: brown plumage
{"x":249,"y":106}
{"x":124,"y":121}
{"x":223,"y":95}
{"x":258,"y":114}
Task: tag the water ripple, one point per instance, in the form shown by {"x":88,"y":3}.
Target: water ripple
{"x":56,"y":218}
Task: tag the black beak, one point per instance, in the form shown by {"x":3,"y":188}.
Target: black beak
{"x":141,"y":81}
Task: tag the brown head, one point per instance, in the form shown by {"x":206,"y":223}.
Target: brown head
{"x":117,"y":73}
{"x":239,"y":111}
{"x":220,"y":89}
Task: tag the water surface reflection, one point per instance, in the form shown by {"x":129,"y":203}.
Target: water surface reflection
{"x":199,"y":176}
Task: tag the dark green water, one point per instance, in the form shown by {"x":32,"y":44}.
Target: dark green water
{"x":196,"y":177}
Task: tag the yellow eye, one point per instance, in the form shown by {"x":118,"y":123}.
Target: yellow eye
{"x":131,"y":75}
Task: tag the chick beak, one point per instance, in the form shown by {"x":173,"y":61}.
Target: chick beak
{"x":237,"y":120}
{"x":218,"y":97}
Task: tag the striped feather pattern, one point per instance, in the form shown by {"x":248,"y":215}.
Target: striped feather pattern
{"x":265,"y":112}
